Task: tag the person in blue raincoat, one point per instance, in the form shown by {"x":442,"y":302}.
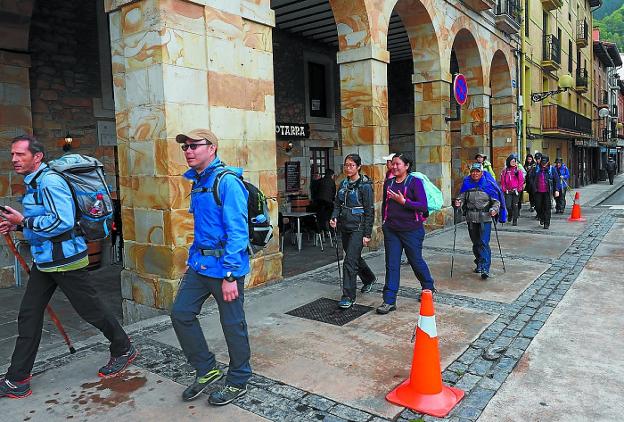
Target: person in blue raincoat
{"x":217,"y":264}
{"x":481,"y":201}
{"x":561,"y":175}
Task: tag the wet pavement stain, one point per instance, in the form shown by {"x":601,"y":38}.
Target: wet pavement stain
{"x":114,"y":391}
{"x":51,"y":401}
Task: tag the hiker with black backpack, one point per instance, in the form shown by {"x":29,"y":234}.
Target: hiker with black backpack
{"x":58,"y":247}
{"x":353,"y":215}
{"x":218,"y":262}
{"x":404,"y":210}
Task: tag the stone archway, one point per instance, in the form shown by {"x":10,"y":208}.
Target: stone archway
{"x":469,"y":135}
{"x":503,"y":134}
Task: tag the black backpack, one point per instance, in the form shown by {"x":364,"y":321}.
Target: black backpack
{"x":258,"y":218}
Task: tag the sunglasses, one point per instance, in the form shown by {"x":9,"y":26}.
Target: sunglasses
{"x":193,"y":147}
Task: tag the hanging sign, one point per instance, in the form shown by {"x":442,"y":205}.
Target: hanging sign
{"x":460,"y":89}
{"x":292,"y":130}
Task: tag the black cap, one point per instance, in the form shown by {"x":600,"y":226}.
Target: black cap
{"x":545,"y":159}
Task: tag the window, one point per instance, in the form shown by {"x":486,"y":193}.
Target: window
{"x":527,"y":20}
{"x":570,"y":56}
{"x":317,"y":89}
{"x":319,"y":160}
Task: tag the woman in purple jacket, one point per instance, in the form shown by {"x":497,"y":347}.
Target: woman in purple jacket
{"x":404,"y":210}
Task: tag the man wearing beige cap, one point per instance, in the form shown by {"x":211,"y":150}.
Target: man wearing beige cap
{"x":388,"y":160}
{"x":217,"y":264}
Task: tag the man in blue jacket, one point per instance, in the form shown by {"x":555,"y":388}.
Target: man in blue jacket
{"x":60,"y":257}
{"x":217,"y":264}
{"x":561,"y":174}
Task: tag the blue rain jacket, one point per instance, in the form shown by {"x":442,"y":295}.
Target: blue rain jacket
{"x":219,"y":227}
{"x":50,"y":213}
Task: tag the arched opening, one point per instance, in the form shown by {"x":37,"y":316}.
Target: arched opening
{"x":502,"y":128}
{"x":469,"y":132}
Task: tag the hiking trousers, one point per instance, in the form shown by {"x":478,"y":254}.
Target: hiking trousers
{"x":353,"y":264}
{"x":543,"y":206}
{"x":82,"y":296}
{"x":193,"y":292}
{"x":480,"y":237}
{"x":412,"y":242}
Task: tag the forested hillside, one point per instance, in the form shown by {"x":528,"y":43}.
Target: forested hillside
{"x":612,"y":23}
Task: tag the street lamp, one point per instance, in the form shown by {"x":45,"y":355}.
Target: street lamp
{"x":565,"y":82}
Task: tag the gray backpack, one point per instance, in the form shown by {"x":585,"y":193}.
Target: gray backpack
{"x":94,"y":205}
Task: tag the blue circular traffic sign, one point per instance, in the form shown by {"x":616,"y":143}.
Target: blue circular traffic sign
{"x":460,"y":89}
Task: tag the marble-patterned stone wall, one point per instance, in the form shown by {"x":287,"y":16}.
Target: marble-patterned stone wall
{"x":15,"y":106}
{"x":171,"y":74}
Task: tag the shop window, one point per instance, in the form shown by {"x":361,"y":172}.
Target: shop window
{"x":319,"y":85}
{"x":319,"y":160}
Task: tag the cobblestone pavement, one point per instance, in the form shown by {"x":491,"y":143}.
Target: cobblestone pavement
{"x":480,"y":370}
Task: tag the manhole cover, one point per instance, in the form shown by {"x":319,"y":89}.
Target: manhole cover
{"x":326,"y":310}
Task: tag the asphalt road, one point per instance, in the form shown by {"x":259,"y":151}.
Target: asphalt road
{"x":616,"y":199}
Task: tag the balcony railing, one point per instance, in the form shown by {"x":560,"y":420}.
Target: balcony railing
{"x":582,"y":79}
{"x":552,"y":53}
{"x":582,"y":33}
{"x":558,"y":119}
{"x":507,"y":16}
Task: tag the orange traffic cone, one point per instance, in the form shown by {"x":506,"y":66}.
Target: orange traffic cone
{"x":424,"y":391}
{"x":576,"y":209}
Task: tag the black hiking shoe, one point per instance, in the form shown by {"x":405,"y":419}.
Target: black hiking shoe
{"x":226,"y":395}
{"x":117,"y":364}
{"x":200,"y":384}
{"x":485,"y":275}
{"x":368,"y":287}
{"x":15,"y":390}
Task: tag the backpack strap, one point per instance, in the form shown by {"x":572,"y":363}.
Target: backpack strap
{"x":217,"y":181}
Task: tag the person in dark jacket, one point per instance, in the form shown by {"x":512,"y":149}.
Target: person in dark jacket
{"x":60,"y":259}
{"x":544,"y":186}
{"x":529,"y":167}
{"x":354,"y":214}
{"x":404,"y":210}
{"x":481,"y":200}
{"x":325,"y":196}
{"x":610,"y":166}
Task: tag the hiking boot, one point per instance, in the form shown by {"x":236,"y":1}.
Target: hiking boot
{"x":546,"y":226}
{"x":477,"y":270}
{"x":385,"y":308}
{"x":485,"y":275}
{"x":404,"y":261}
{"x":541,"y":222}
{"x":200,"y":384}
{"x":117,"y":364}
{"x":15,"y":390}
{"x":346,"y":303}
{"x":226,"y":395}
{"x":368,"y":287}
{"x":515,"y":223}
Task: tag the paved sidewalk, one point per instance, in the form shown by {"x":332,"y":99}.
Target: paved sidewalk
{"x":306,"y":370}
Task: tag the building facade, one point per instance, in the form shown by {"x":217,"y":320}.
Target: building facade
{"x":346,"y":76}
{"x":557,"y":43}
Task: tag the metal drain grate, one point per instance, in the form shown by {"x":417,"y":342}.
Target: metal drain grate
{"x":326,"y":310}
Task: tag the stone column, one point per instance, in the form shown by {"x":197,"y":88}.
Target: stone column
{"x":178,"y":65}
{"x":15,"y":119}
{"x":433,"y":139}
{"x":364,"y":114}
{"x":475,"y":126}
{"x":504,"y":136}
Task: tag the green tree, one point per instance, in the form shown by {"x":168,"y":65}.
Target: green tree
{"x":608,"y":7}
{"x":612,"y":28}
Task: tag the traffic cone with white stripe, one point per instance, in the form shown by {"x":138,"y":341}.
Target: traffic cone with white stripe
{"x":424,"y":391}
{"x":576,"y":209}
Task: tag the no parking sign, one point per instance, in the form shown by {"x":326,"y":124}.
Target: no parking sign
{"x":460,"y":89}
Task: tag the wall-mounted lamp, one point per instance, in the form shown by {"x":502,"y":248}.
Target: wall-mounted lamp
{"x":288,"y":147}
{"x":565,"y":82}
{"x":68,"y":142}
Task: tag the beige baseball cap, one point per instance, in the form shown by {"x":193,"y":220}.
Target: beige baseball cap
{"x":197,"y":135}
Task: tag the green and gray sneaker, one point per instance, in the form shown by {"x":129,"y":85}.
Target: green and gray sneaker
{"x":200,"y":384}
{"x":226,"y":395}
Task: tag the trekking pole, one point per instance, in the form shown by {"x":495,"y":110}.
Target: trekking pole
{"x":337,"y":255}
{"x":500,"y":251}
{"x":51,"y":312}
{"x":454,"y":239}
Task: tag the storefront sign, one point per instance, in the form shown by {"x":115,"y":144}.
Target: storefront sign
{"x":293,"y":176}
{"x":460,"y":89}
{"x":292,"y":130}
